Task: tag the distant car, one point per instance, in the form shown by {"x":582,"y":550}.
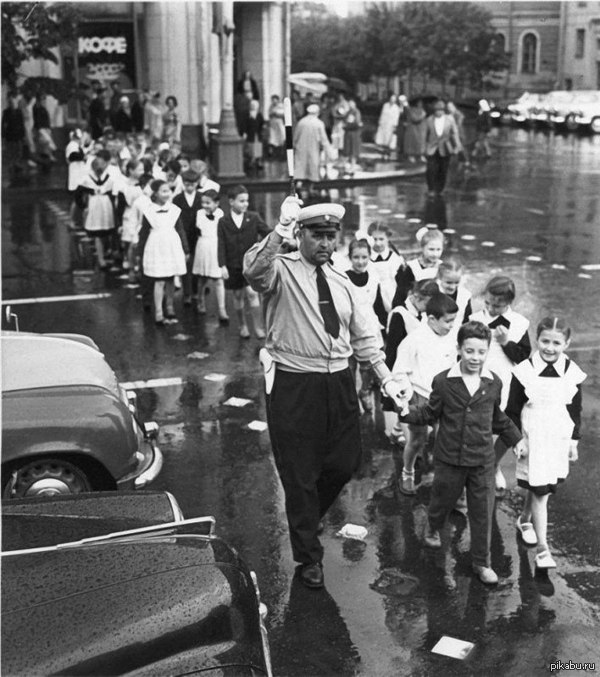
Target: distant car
{"x":585,"y":111}
{"x":120,"y":583}
{"x":521,"y":109}
{"x":67,"y":425}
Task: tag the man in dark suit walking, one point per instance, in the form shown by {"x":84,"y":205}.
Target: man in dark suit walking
{"x":238,"y":230}
{"x":441,"y":143}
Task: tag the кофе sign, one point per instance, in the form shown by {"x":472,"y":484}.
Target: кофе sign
{"x":106,"y":52}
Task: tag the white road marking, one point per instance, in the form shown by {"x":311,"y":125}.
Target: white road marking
{"x":467,"y":237}
{"x":152,"y":383}
{"x":539,"y":212}
{"x":259,"y":426}
{"x":488,"y":243}
{"x":196,"y":355}
{"x":449,"y":231}
{"x":591,"y":266}
{"x":584,"y":276}
{"x":533,"y":259}
{"x":54,"y":299}
{"x":559,"y":266}
{"x":511,"y":250}
{"x":385,"y":211}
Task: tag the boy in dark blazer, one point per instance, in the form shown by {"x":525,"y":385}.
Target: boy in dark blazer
{"x":238,"y":230}
{"x":465,"y":399}
{"x":189,"y":201}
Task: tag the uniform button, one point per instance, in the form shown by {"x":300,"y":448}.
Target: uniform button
{"x":468,"y":409}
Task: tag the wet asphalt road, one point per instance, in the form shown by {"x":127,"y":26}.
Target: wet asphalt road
{"x":385,"y":605}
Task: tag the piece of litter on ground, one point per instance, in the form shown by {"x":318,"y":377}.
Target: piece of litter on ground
{"x":123,"y":277}
{"x":237,"y":402}
{"x":182,"y":337}
{"x":559,"y":266}
{"x":541,"y":212}
{"x":590,"y":266}
{"x":385,"y":211}
{"x":452,"y":647}
{"x":353,"y":531}
{"x":533,"y":258}
{"x":467,"y":236}
{"x":584,"y":276}
{"x":399,"y":215}
{"x":511,"y":250}
{"x":215,"y":377}
{"x":371,"y":206}
{"x":259,"y":426}
{"x":449,"y":231}
{"x":414,"y":219}
{"x":487,"y":243}
{"x":132,"y":285}
{"x":196,"y":355}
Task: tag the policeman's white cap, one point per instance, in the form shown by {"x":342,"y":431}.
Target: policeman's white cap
{"x":325,"y":215}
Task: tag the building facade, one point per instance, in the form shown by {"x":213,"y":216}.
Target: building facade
{"x":175,"y":48}
{"x":580,"y":45}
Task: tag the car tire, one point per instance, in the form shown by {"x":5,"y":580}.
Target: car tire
{"x":45,"y":477}
{"x":570,"y":123}
{"x":595,"y":125}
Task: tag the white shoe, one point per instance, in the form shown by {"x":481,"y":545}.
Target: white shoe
{"x":527,"y":532}
{"x":544,"y":560}
{"x":486,"y":574}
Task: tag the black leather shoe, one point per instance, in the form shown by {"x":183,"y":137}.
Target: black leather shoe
{"x":312,"y":575}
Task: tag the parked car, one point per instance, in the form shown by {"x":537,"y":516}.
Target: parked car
{"x":585,"y":110}
{"x":521,"y":109}
{"x":67,"y":425}
{"x":120,"y":583}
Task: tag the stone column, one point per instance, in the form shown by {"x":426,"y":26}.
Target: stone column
{"x":228,"y":156}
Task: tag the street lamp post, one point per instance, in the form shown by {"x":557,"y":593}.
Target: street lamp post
{"x":228,"y":157}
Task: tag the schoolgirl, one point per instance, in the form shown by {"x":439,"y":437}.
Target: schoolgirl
{"x":423,"y":267}
{"x":385,"y":262}
{"x":163,"y":248}
{"x":545,"y":401}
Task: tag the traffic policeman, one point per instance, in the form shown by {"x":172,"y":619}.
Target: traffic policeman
{"x":313,"y":326}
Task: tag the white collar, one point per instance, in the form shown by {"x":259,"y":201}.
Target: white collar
{"x":385,"y":254}
{"x":455,"y":372}
{"x":539,"y":364}
{"x":411,"y":308}
{"x":156,"y":207}
{"x":509,"y":312}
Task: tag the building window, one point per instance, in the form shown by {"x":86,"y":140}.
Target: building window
{"x":579,"y":43}
{"x":529,"y":54}
{"x":500,"y":42}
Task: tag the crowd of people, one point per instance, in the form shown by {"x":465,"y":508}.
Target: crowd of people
{"x":400,"y":333}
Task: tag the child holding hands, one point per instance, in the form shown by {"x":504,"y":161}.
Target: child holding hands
{"x":545,"y":402}
{"x":465,"y":400}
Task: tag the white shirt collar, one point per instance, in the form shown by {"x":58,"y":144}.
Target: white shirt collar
{"x":539,"y":364}
{"x":455,"y":372}
{"x":411,"y":308}
{"x":238,"y":219}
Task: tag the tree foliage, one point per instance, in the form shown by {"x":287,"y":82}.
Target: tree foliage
{"x":452,"y":42}
{"x":31,"y":30}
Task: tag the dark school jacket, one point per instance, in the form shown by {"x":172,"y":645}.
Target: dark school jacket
{"x":466,"y":422}
{"x":234,"y":242}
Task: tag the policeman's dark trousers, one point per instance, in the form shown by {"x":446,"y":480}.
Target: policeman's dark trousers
{"x":437,"y":171}
{"x":448,"y":483}
{"x":315,"y":435}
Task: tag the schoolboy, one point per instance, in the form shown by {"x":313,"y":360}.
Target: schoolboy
{"x":465,"y":400}
{"x":190,"y":202}
{"x":237,"y":231}
{"x":425,"y":352}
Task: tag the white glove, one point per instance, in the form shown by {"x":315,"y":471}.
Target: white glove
{"x":520,"y":449}
{"x":398,"y":393}
{"x":290,"y":208}
{"x":573,"y":451}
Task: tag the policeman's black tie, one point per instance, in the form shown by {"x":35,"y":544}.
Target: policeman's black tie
{"x":326,"y":306}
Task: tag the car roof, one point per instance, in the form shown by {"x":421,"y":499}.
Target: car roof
{"x":35,"y":361}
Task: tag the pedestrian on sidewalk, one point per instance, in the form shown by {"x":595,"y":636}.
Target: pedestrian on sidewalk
{"x":276,"y":135}
{"x":353,"y":130}
{"x":310,"y":140}
{"x":206,"y":268}
{"x":238,"y":230}
{"x":441,"y":143}
{"x":171,"y":122}
{"x":252,"y":131}
{"x":313,"y":326}
{"x":41,"y":124}
{"x":163,"y":249}
{"x":483,"y":127}
{"x":385,"y":136}
{"x":414,"y":131}
{"x":13,"y":135}
{"x":545,"y":402}
{"x":465,"y":400}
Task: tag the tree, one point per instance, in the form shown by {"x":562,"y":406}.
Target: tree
{"x":31,"y":30}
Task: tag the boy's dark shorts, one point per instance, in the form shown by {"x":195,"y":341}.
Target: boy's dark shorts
{"x":236,"y":279}
{"x":417,"y":400}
